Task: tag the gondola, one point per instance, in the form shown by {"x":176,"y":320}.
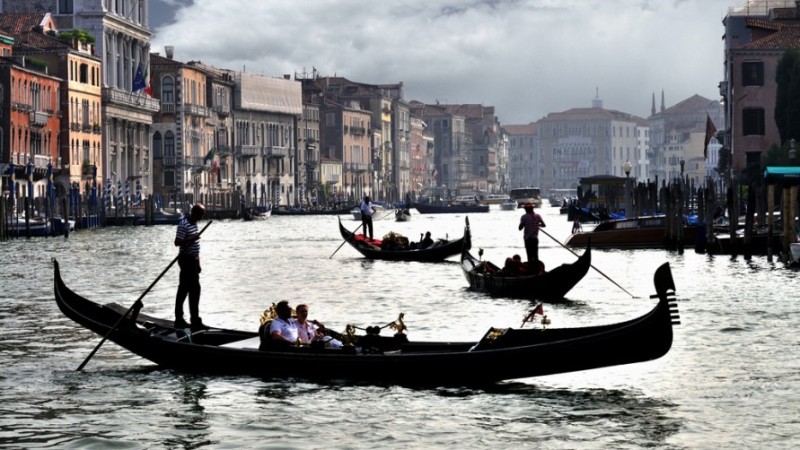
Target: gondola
{"x":402,"y":215}
{"x":501,"y":354}
{"x":439,"y":251}
{"x":550,"y":285}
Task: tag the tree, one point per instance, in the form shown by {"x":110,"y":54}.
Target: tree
{"x":787,"y":96}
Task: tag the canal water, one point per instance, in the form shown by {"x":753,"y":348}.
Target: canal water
{"x":731,"y":379}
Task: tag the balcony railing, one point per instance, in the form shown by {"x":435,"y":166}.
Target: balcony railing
{"x":38,"y":118}
{"x":248,"y":150}
{"x":332,"y":179}
{"x":41,"y":161}
{"x":168,"y":108}
{"x":112,"y":95}
{"x":223,"y":150}
{"x":196,"y":110}
{"x":222,"y":110}
{"x":277,"y":152}
{"x":168,"y":161}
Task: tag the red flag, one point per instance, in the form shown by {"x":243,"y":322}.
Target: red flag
{"x":537,"y":310}
{"x":710,"y":130}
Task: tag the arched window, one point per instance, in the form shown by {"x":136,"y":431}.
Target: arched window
{"x":157,"y":149}
{"x":167,"y":90}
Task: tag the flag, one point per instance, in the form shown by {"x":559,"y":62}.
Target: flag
{"x":147,"y":89}
{"x":710,"y":130}
{"x":138,"y":79}
{"x":210,"y":155}
{"x":538,"y":310}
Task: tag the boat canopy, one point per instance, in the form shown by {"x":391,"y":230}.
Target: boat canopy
{"x":782,"y":175}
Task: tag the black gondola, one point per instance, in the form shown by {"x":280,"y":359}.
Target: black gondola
{"x":549,"y":285}
{"x":502,"y":354}
{"x":438,"y":251}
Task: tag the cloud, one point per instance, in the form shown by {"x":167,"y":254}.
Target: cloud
{"x":525,"y":58}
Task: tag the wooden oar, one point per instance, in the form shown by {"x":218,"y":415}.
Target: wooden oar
{"x":592,"y":265}
{"x":136,"y":305}
{"x":354,"y":232}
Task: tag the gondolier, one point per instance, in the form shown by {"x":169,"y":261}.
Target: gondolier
{"x":530,"y":223}
{"x":187,"y":238}
{"x":366,"y":216}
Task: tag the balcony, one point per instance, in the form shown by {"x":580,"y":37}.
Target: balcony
{"x":119,"y":97}
{"x":196,"y":110}
{"x":41,"y":161}
{"x":168,"y":161}
{"x":38,"y":118}
{"x":223,"y":150}
{"x":332,"y":179}
{"x":248,"y":150}
{"x":277,"y":152}
{"x":167,"y":108}
{"x":222,"y":110}
{"x":195,"y":161}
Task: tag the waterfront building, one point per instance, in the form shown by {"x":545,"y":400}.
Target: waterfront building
{"x":122,"y":43}
{"x":452,"y":152}
{"x":30,"y":130}
{"x":388,"y":168}
{"x":756,"y":37}
{"x":524,"y":157}
{"x":677,"y":134}
{"x":183,"y":135}
{"x":344,"y":132}
{"x":70,"y":57}
{"x":307,"y":178}
{"x":265,"y":115}
{"x":585,"y":142}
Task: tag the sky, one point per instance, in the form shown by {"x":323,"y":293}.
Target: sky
{"x":527,"y":58}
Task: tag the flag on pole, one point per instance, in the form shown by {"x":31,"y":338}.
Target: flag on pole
{"x":147,"y":89}
{"x":210,"y":155}
{"x":138,"y":79}
{"x":538,"y":310}
{"x":710,"y":130}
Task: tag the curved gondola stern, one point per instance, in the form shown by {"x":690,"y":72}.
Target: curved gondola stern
{"x":665,"y":291}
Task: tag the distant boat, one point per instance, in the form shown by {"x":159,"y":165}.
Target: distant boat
{"x":425,"y":208}
{"x":635,"y":232}
{"x":509,"y":205}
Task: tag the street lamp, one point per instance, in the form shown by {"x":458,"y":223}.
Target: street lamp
{"x":627,"y":168}
{"x":792,"y":150}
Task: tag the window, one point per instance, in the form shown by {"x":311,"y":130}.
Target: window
{"x":84,"y":73}
{"x":752,"y":73}
{"x":65,"y":6}
{"x":157,"y":148}
{"x":169,"y":178}
{"x":169,"y":145}
{"x":753,"y":122}
{"x":167,"y":90}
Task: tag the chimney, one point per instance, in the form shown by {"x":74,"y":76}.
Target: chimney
{"x":169,"y":50}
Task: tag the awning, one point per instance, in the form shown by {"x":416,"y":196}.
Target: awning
{"x":782,"y":175}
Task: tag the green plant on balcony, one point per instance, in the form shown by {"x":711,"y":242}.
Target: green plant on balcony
{"x":79,"y":34}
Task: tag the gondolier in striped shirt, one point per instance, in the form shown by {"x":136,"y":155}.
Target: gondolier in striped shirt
{"x":187,"y":238}
{"x":530,"y":222}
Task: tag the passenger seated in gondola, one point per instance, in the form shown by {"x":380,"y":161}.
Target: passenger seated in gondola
{"x":426,"y":242}
{"x":311,"y":332}
{"x":283,"y":329}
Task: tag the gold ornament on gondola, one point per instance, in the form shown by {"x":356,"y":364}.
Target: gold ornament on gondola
{"x":398,"y":325}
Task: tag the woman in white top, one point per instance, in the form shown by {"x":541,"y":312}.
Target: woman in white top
{"x":310,"y":330}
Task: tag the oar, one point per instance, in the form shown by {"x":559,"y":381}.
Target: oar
{"x":136,"y":305}
{"x":592,"y":265}
{"x":354,"y":232}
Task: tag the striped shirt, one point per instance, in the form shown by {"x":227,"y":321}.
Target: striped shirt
{"x":531,"y":222}
{"x":187,"y":228}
